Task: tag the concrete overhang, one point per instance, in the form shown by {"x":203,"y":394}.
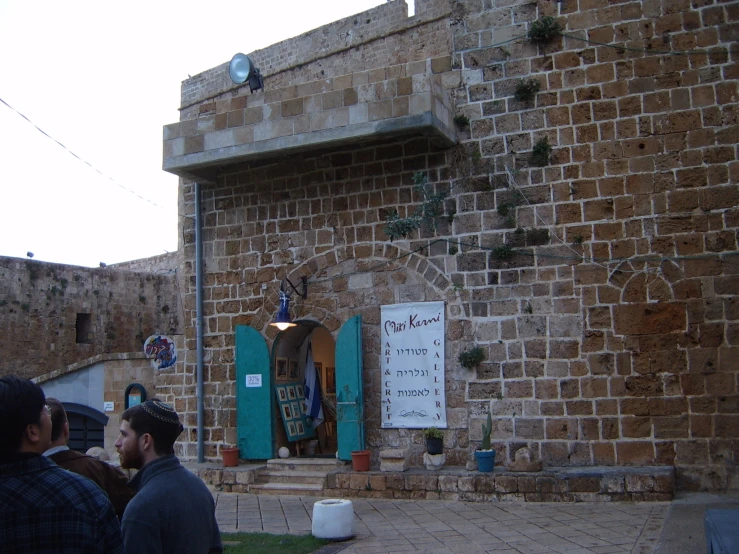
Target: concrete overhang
{"x":329,"y":114}
{"x":203,"y":166}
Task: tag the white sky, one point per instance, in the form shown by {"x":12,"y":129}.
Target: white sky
{"x":103,"y":78}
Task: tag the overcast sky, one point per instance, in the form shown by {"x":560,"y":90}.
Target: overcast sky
{"x":103,"y":78}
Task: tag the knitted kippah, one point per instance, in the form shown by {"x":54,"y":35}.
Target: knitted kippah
{"x":162,"y":411}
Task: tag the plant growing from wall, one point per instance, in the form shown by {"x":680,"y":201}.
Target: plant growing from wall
{"x":544,"y":30}
{"x":526,"y":90}
{"x":541,"y":152}
{"x":471,"y":358}
{"x":462,"y":120}
{"x":503,"y":253}
{"x":430,"y":208}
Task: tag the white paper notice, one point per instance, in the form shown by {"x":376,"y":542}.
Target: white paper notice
{"x":254,"y":380}
{"x":413,"y":365}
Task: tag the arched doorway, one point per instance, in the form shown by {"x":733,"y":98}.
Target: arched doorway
{"x":262,"y":426}
{"x":86,"y":426}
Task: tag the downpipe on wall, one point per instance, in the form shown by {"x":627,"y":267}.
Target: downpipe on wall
{"x":199,"y":319}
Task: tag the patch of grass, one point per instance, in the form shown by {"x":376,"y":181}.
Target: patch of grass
{"x":265,"y":543}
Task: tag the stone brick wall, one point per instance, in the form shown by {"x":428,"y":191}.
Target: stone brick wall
{"x":378,"y":33}
{"x":39,"y":303}
{"x":116,"y":372}
{"x":162,"y":264}
{"x":602,"y":286}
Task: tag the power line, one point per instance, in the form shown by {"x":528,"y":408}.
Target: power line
{"x":40,"y":130}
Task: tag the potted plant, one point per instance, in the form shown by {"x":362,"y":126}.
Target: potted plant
{"x":360,"y":460}
{"x":486,"y":456}
{"x":230,"y":456}
{"x":434,"y":440}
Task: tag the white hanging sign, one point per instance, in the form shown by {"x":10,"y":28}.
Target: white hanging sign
{"x":413,"y":365}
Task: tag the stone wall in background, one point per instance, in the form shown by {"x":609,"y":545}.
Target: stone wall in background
{"x":42,"y":304}
{"x":600,"y":278}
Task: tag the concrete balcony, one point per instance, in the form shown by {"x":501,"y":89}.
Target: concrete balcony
{"x":344,"y":110}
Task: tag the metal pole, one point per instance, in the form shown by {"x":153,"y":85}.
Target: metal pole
{"x":199,"y":320}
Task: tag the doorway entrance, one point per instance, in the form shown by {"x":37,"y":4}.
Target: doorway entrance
{"x":305,"y":362}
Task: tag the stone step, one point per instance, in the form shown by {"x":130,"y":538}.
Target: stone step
{"x":302,"y":464}
{"x":294,"y":489}
{"x":305,"y":477}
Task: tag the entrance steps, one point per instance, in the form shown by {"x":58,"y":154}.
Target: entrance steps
{"x":295,"y":476}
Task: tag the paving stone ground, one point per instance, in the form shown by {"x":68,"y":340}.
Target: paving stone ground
{"x":436,"y":527}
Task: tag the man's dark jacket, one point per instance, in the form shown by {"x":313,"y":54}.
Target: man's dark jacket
{"x":108,"y":478}
{"x":45,"y":509}
{"x":172,"y":512}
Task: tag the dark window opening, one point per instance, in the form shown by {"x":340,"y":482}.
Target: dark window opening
{"x":84,"y":329}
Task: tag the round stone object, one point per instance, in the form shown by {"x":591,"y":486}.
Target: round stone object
{"x":333,"y":519}
{"x":283,"y":452}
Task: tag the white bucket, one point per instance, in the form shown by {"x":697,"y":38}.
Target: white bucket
{"x":333,"y":519}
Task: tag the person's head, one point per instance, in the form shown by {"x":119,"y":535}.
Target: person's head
{"x":26,"y":425}
{"x":59,"y":422}
{"x":148,"y":431}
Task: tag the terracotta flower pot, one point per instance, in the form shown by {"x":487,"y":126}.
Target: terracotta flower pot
{"x":230,"y":457}
{"x":361,"y":460}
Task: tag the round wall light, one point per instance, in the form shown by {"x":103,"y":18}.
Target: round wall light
{"x":241,"y":69}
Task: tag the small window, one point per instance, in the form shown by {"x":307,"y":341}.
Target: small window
{"x":84,"y":329}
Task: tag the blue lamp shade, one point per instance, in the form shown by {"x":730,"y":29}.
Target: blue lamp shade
{"x":282,"y":320}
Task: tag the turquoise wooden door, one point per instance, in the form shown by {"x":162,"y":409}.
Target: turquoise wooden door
{"x":349,"y":397}
{"x":254,"y":420}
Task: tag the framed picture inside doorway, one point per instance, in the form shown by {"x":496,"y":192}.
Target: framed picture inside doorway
{"x":330,"y":382}
{"x":281,"y":369}
{"x":293,"y":370}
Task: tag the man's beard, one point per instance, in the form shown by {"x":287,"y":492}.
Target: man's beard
{"x":132,"y":459}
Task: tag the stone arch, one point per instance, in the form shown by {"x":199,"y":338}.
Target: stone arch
{"x":368,"y":260}
{"x":350,"y":280}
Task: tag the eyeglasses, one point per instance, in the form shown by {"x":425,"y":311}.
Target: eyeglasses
{"x":47,"y":410}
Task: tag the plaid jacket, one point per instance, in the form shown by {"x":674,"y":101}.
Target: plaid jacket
{"x":45,"y":509}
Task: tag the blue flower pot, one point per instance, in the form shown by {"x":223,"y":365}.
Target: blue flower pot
{"x":485,"y":460}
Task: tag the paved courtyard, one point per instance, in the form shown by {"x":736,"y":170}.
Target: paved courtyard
{"x":460,"y":527}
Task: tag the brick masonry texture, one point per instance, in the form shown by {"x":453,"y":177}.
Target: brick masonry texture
{"x":39,"y":303}
{"x":612,"y":330}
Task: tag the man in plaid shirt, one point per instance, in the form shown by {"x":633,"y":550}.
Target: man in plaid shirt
{"x":45,"y":509}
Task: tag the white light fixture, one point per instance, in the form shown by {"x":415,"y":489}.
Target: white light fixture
{"x":241,"y":69}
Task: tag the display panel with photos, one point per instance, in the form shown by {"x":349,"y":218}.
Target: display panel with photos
{"x":291,"y":399}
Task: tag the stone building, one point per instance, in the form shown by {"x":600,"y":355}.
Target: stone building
{"x":587,"y":239}
{"x":79,"y":332}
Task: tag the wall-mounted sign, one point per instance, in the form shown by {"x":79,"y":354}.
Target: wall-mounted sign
{"x":108,"y":406}
{"x":254,"y":380}
{"x":412,"y":365}
{"x":162,"y":350}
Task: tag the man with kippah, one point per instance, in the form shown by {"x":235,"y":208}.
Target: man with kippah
{"x":173,"y":510}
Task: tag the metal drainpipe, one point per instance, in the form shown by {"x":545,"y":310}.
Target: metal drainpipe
{"x":199,"y":319}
